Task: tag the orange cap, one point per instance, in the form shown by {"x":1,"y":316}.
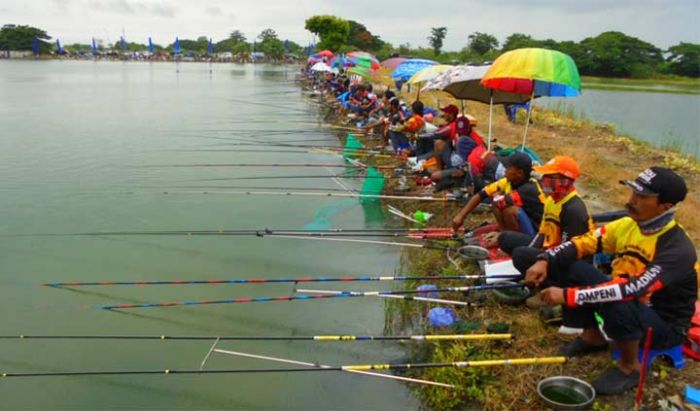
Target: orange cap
{"x":563,"y":165}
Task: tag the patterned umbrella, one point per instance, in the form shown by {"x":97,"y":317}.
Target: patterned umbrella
{"x":393,"y":62}
{"x":534,"y":71}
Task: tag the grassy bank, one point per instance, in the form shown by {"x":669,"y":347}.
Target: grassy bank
{"x":605,"y":158}
{"x":673,"y":85}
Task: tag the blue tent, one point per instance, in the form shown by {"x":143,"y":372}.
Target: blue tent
{"x":35,"y":45}
{"x":150,"y":46}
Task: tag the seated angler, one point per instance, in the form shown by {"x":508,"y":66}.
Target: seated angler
{"x":565,"y":214}
{"x":517,"y":199}
{"x":401,"y":134}
{"x":654,"y":283}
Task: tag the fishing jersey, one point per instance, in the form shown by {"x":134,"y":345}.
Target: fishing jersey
{"x":527,"y":195}
{"x":655,"y":268}
{"x":563,"y":220}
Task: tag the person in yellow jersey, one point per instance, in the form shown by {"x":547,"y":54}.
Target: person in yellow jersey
{"x":653,"y":282}
{"x":516,"y":199}
{"x":565,"y":214}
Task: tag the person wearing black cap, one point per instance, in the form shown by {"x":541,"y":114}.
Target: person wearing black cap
{"x":517,"y":198}
{"x":653,"y":285}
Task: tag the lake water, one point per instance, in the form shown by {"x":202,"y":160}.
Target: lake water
{"x":662,"y":119}
{"x":74,"y":140}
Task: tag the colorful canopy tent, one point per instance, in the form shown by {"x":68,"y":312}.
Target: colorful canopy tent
{"x":393,"y":62}
{"x":534,"y":71}
{"x":360,"y":71}
{"x":341,"y":61}
{"x":365,"y":61}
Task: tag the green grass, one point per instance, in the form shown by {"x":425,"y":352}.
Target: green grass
{"x":666,"y":81}
{"x":674,"y":85}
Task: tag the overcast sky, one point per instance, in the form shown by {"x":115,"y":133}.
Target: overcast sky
{"x":661,"y":22}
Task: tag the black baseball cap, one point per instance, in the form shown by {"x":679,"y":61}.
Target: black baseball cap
{"x":659,"y":182}
{"x":519,"y":160}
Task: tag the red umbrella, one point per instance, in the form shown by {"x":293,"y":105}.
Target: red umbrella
{"x":326,"y":53}
{"x":393,"y":62}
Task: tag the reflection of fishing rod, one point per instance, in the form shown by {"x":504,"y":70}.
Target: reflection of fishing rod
{"x":323,"y":338}
{"x":278,"y":280}
{"x":363,"y":367}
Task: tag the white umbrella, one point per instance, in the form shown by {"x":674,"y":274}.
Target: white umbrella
{"x":321,"y":66}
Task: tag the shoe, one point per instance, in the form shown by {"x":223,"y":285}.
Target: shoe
{"x":535,"y":302}
{"x":551,"y":315}
{"x":614,"y":381}
{"x":579,"y":347}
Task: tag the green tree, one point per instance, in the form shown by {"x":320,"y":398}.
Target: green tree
{"x":129,"y":46}
{"x":14,"y":37}
{"x":684,"y":59}
{"x":437,"y":35}
{"x":332,"y":31}
{"x":482,"y":43}
{"x":518,"y":41}
{"x":362,"y":39}
{"x":615,"y":54}
{"x":269,"y":44}
{"x":237,"y":36}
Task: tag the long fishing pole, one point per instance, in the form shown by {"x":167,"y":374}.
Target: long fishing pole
{"x":269,"y":232}
{"x":447,"y":198}
{"x":298,"y":165}
{"x":307,"y":297}
{"x":358,"y":367}
{"x":359,"y":176}
{"x":326,"y":338}
{"x":308,"y":364}
{"x":277,"y":280}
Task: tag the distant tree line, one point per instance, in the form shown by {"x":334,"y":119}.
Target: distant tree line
{"x":609,"y":54}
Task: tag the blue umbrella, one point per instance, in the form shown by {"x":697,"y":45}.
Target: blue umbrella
{"x":286,"y":46}
{"x":408,"y":68}
{"x":94,"y":46}
{"x":150,"y":46}
{"x":310,"y":49}
{"x":176,"y":49}
{"x":122,"y":43}
{"x":58,"y":45}
{"x":35,"y":45}
{"x":210,"y":48}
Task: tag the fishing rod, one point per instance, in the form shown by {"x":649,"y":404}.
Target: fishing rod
{"x":448,"y":197}
{"x":296,"y":177}
{"x":322,"y":338}
{"x":267,"y":165}
{"x":358,"y":367}
{"x":308,"y":297}
{"x":308,"y":364}
{"x":277,"y":280}
{"x":266,"y":231}
{"x":339,"y":190}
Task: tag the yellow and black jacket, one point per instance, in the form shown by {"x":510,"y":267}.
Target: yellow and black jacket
{"x":656,"y":268}
{"x":527,"y":195}
{"x":563,"y":220}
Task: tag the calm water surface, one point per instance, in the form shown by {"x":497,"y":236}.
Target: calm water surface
{"x":75,"y":138}
{"x":662,"y":119}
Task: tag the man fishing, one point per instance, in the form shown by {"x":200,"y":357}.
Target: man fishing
{"x":517,"y":199}
{"x":653,"y":285}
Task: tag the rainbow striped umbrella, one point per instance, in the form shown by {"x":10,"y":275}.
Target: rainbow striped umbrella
{"x":534,"y":71}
